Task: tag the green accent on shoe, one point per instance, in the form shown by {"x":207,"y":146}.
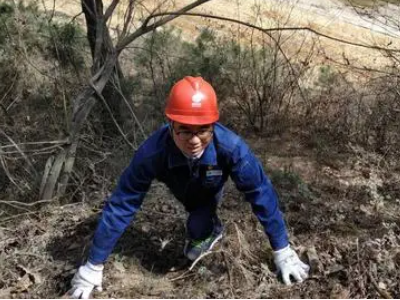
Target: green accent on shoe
{"x":194,"y":249}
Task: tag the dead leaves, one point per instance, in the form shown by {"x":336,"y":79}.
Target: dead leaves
{"x":26,"y":280}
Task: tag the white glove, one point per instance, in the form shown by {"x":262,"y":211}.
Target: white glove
{"x":288,"y":263}
{"x":87,"y":278}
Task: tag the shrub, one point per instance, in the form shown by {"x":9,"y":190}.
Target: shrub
{"x":165,"y":58}
{"x":34,"y":101}
{"x":67,"y":44}
{"x":290,"y":184}
{"x":252,"y":82}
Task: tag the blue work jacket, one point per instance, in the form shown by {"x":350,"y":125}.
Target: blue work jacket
{"x":159,"y":158}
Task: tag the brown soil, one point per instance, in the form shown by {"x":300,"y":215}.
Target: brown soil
{"x":342,"y":213}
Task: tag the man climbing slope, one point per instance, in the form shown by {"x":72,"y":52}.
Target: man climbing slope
{"x":193,"y":155}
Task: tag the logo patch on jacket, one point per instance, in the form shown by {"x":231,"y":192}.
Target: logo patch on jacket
{"x":210,"y":173}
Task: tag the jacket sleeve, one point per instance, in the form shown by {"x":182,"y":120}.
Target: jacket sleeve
{"x":121,"y":207}
{"x":249,"y":178}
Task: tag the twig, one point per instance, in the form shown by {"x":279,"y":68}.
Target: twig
{"x":182,"y":276}
{"x":200,"y":258}
{"x":7,"y":229}
{"x":20,"y":151}
{"x":17,"y":216}
{"x":381,"y":292}
{"x":239,"y":239}
{"x":64,"y":141}
{"x":147,"y":28}
{"x":13,"y":203}
{"x":229,"y":273}
{"x":10,"y":88}
{"x":5,"y":169}
{"x":119,"y":90}
{"x":32,"y":254}
{"x":99,"y":95}
{"x":185,"y":274}
{"x":36,"y":151}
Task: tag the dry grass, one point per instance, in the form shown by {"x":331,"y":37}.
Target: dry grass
{"x":350,"y":240}
{"x":284,"y":14}
{"x":341,"y":208}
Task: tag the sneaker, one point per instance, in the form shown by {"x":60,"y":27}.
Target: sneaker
{"x":196,"y":248}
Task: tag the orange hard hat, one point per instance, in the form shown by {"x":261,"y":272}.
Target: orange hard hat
{"x":192,"y":101}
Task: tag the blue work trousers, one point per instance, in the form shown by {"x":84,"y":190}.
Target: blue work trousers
{"x":203,"y":221}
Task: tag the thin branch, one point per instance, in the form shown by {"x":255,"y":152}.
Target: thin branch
{"x":110,"y":10}
{"x":19,"y":150}
{"x":127,"y":18}
{"x":10,"y":88}
{"x":384,"y":294}
{"x":5,"y":169}
{"x":185,"y":274}
{"x":35,"y":151}
{"x":99,"y":39}
{"x":119,"y":90}
{"x":200,"y":258}
{"x":75,"y":17}
{"x":15,"y":203}
{"x":99,"y":95}
{"x":147,"y":28}
{"x":58,"y":142}
{"x":274,"y":29}
{"x":23,"y":52}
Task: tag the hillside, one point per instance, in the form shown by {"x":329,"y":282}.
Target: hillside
{"x":332,"y":18}
{"x":331,"y":150}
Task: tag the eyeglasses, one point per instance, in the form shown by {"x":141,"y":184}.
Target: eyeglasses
{"x":186,"y":135}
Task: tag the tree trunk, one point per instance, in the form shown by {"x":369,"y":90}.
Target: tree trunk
{"x":100,"y":44}
{"x":106,"y":71}
{"x":56,"y":179}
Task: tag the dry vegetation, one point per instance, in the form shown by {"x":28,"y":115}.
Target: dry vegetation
{"x":324,"y":119}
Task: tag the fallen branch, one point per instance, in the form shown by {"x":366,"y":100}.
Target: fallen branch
{"x":13,"y":203}
{"x":20,"y":151}
{"x":58,"y":142}
{"x":200,"y":258}
{"x":186,"y":273}
{"x":230,"y":275}
{"x":384,"y":294}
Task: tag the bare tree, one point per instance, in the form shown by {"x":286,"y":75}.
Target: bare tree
{"x":105,"y":74}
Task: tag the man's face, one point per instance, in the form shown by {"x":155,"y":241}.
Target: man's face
{"x":192,"y":139}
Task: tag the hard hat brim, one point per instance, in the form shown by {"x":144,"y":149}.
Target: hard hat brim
{"x":193,"y":120}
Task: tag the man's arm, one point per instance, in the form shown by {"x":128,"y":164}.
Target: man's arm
{"x":121,"y":207}
{"x":249,"y":177}
{"x":117,"y":214}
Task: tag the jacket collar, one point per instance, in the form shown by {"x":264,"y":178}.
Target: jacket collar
{"x":176,"y":157}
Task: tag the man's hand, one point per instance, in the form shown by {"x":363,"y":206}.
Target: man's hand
{"x":87,"y":278}
{"x":288,"y":263}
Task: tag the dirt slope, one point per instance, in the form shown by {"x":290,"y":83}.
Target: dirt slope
{"x":342,"y":212}
{"x":331,"y":18}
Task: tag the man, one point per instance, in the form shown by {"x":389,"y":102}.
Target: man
{"x":194,"y":156}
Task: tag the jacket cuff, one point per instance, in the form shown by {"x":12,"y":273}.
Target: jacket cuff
{"x":97,"y":256}
{"x":282,"y":250}
{"x":95,"y":267}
